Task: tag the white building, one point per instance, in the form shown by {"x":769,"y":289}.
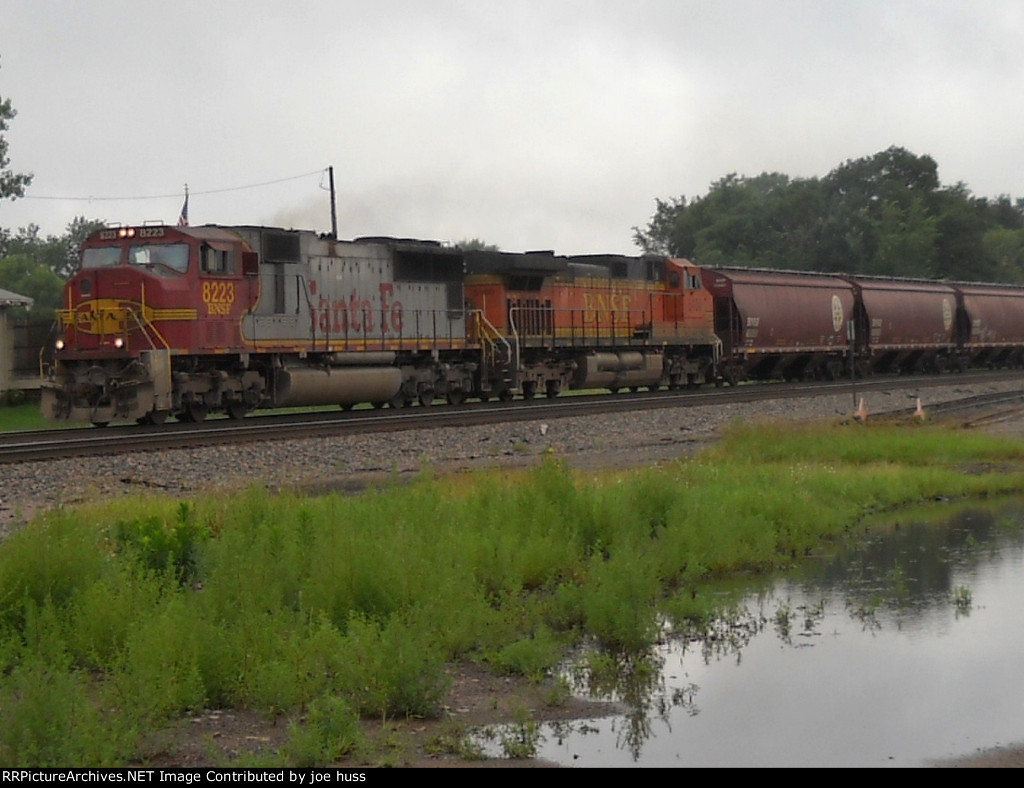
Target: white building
{"x":7,"y":301}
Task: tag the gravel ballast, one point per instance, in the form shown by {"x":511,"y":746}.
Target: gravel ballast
{"x":352,"y":462}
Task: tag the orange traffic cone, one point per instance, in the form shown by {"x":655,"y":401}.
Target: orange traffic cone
{"x":862,"y":412}
{"x":919,"y":413}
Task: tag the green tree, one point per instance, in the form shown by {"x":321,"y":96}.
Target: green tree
{"x":12,"y":184}
{"x":1005,"y":248}
{"x":57,"y":253}
{"x":23,"y":275}
{"x":671,"y":231}
{"x":869,"y":202}
{"x":476,"y":245}
{"x":962,"y":222}
{"x":906,"y":240}
{"x":884,"y":214}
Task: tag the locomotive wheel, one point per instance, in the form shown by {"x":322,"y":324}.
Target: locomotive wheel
{"x":506,"y":395}
{"x":194,"y":412}
{"x":455,"y":396}
{"x":398,"y":401}
{"x":154,"y":417}
{"x":426,"y":397}
{"x":237,"y":410}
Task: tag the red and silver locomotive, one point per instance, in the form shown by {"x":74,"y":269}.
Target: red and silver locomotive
{"x":186,"y":321}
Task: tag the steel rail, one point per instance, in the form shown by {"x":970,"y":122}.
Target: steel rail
{"x":34,"y":446}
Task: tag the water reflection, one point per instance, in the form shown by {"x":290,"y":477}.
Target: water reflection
{"x":901,"y":651}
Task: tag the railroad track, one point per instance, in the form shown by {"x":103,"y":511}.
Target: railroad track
{"x":83,"y":442}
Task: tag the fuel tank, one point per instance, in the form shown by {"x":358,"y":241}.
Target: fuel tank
{"x":618,"y":370}
{"x":308,"y":386}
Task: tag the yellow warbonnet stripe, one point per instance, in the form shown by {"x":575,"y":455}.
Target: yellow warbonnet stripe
{"x":173,"y":314}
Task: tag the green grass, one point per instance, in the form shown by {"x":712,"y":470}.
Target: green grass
{"x":120,"y":617}
{"x":25,"y":416}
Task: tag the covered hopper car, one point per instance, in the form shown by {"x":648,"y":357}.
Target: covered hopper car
{"x":800,"y":325}
{"x":777,"y":324}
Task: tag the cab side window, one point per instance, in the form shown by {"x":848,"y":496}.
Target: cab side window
{"x":218,"y":262}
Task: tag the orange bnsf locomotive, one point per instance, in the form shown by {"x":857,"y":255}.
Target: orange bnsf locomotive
{"x":185,"y":321}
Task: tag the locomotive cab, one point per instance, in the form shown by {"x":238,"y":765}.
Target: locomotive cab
{"x":142,"y":299}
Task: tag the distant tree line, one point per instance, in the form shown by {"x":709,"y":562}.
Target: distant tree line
{"x":885,"y":214}
{"x":38,"y":267}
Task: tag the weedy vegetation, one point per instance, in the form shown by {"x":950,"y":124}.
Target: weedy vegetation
{"x":119,"y":618}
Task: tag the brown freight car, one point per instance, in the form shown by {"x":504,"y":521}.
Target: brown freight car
{"x":905,"y":326}
{"x":991,"y":325}
{"x":780,"y":324}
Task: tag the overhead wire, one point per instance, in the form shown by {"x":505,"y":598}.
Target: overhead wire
{"x":177,"y":194}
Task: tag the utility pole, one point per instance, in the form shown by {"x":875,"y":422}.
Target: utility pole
{"x":334,"y":209}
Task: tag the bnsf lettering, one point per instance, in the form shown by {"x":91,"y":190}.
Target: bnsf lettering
{"x":358,"y":315}
{"x":599,"y":307}
{"x":218,"y":297}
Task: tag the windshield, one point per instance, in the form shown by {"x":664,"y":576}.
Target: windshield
{"x":172,"y":256}
{"x":101,"y":258}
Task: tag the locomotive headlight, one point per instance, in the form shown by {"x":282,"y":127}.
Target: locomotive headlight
{"x":119,"y":343}
{"x":59,"y":344}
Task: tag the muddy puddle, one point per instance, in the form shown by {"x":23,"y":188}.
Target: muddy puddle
{"x":900,"y":653}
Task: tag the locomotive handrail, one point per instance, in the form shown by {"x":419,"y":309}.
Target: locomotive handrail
{"x":492,"y":336}
{"x":66,"y":317}
{"x":142,"y":324}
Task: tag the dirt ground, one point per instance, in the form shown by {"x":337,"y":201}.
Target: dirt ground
{"x":477,"y":699}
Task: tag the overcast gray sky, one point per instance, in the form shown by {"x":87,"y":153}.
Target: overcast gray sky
{"x":547,"y":124}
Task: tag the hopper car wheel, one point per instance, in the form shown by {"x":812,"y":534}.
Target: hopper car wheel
{"x":529,"y":389}
{"x":237,"y":410}
{"x":456,"y":396}
{"x":552,"y":389}
{"x":398,"y":401}
{"x":100,"y":423}
{"x":379,"y":405}
{"x":426,"y":397}
{"x":154,"y":417}
{"x":506,"y":395}
{"x":347,"y":406}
